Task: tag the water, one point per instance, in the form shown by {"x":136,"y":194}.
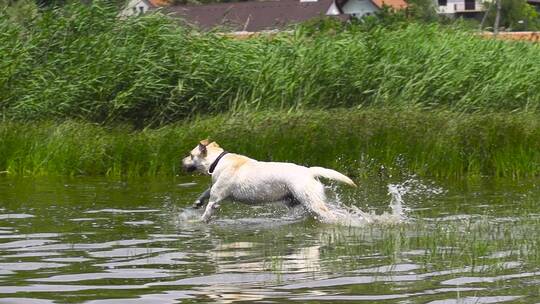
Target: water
{"x":101,"y":241}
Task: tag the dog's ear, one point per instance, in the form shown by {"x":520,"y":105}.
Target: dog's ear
{"x":202,"y":149}
{"x":202,"y":146}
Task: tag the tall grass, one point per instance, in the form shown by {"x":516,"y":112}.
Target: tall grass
{"x":360,"y":143}
{"x":83,"y":62}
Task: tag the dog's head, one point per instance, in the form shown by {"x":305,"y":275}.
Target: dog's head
{"x":202,"y":156}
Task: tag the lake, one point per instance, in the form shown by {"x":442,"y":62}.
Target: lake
{"x":97,"y":240}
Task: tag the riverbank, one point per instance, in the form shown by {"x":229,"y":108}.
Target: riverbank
{"x":519,"y":36}
{"x":360,"y":142}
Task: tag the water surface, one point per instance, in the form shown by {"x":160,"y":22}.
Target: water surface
{"x":95,"y":240}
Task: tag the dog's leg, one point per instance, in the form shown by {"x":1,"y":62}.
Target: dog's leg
{"x":311,"y":195}
{"x":208,"y":211}
{"x":201,"y":200}
{"x":217,"y":194}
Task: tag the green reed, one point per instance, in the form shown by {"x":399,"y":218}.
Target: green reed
{"x":473,"y":245}
{"x":364,"y":142}
{"x":82,"y":62}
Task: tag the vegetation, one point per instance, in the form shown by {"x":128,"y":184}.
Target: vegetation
{"x":81,"y":62}
{"x":359,"y":142}
{"x":18,"y":11}
{"x":516,"y":15}
{"x":75,"y":84}
{"x":423,"y":10}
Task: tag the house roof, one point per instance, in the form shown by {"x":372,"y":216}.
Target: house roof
{"x":251,"y":16}
{"x":395,"y":4}
{"x":159,"y":3}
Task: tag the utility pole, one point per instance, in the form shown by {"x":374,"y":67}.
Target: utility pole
{"x":497,"y":19}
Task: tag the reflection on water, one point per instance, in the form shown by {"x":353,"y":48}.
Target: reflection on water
{"x":100,"y":241}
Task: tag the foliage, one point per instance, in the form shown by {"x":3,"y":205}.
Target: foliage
{"x":18,"y":11}
{"x":423,"y":10}
{"x":363,"y":142}
{"x":82,"y":62}
{"x":516,"y":15}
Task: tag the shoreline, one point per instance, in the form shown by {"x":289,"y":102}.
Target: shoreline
{"x":359,"y":142}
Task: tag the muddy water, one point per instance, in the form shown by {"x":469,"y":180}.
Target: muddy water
{"x":101,"y":241}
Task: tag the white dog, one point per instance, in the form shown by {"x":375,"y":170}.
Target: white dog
{"x":239,"y":178}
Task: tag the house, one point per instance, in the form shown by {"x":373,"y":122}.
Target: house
{"x":360,"y":8}
{"x":460,"y":8}
{"x":256,"y":16}
{"x":138,"y":7}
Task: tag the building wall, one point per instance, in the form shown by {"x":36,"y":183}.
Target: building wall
{"x":359,"y":8}
{"x":457,"y":6}
{"x":134,"y":7}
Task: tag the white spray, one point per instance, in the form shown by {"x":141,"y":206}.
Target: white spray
{"x":353,"y":216}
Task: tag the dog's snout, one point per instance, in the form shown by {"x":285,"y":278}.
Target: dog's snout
{"x":189,"y":168}
{"x":188,"y":165}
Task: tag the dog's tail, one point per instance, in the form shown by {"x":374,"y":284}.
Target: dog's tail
{"x":331,"y":174}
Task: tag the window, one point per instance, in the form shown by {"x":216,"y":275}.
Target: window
{"x":442,"y":2}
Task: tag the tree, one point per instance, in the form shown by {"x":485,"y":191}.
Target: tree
{"x":422,"y":9}
{"x":516,"y":15}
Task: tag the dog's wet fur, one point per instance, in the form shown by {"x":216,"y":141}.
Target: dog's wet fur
{"x":240,"y":178}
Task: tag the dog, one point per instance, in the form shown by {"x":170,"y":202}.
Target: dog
{"x":239,"y":178}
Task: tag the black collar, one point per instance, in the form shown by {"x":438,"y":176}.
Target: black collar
{"x":214,"y":164}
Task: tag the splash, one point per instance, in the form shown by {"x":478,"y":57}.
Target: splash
{"x":353,"y":216}
{"x":396,"y":201}
{"x":188,"y":215}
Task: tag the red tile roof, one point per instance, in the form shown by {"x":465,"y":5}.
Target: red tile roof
{"x":160,"y":3}
{"x":395,"y":4}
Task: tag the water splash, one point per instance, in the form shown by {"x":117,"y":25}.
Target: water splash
{"x":188,"y":215}
{"x":355,"y":217}
{"x":397,"y":213}
{"x":396,"y":201}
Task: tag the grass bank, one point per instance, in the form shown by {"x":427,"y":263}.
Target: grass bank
{"x":359,"y":142}
{"x":81,"y":62}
